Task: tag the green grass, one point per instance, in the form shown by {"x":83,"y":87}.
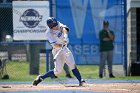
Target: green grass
{"x":19,"y":71}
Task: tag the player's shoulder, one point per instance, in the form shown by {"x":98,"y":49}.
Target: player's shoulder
{"x":100,"y":31}
{"x":48,"y":30}
{"x":64,"y":26}
{"x":61,"y":24}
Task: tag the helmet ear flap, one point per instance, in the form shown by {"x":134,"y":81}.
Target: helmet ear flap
{"x":52,"y":22}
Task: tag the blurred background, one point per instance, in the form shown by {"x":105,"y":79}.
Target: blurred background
{"x":25,"y":52}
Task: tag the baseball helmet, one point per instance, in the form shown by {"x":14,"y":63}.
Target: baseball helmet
{"x":52,"y":22}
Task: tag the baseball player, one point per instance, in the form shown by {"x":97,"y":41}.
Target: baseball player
{"x":57,"y":35}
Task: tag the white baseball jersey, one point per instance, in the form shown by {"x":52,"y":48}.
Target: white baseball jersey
{"x":56,"y":36}
{"x":65,"y":56}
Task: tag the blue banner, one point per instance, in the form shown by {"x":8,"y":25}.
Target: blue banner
{"x":85,"y":18}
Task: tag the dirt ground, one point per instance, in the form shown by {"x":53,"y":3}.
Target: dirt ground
{"x":97,"y":87}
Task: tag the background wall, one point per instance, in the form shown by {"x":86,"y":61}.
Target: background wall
{"x":84,"y":18}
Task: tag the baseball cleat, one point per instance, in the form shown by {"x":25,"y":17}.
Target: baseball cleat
{"x":100,"y":76}
{"x":81,"y":83}
{"x":68,"y":76}
{"x":37,"y":80}
{"x":111,"y":76}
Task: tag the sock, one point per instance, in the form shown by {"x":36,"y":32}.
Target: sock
{"x":77,"y":74}
{"x":48,"y":74}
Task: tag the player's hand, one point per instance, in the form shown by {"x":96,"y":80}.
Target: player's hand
{"x":66,"y":41}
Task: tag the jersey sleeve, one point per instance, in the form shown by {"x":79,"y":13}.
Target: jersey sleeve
{"x":112,"y":32}
{"x":64,"y":26}
{"x":101,"y":35}
{"x":50,"y":37}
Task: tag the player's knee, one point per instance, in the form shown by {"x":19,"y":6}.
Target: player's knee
{"x":57,"y":72}
{"x":74,"y":67}
{"x":71,"y":66}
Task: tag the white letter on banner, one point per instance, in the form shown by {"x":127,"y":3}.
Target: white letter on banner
{"x":79,"y":8}
{"x":98,"y":7}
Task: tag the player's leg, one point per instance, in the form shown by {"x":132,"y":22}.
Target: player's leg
{"x":52,"y":73}
{"x":66,"y":69}
{"x":103,"y":57}
{"x":109,"y":62}
{"x":42,"y":77}
{"x":71,"y":63}
{"x":52,"y":66}
{"x":78,"y":76}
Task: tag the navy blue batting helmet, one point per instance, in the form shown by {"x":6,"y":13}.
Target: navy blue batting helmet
{"x":52,"y":22}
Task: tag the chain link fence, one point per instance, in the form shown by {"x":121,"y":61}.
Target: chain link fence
{"x":21,"y":58}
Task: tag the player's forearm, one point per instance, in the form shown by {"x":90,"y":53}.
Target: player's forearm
{"x":106,"y":39}
{"x":58,"y":45}
{"x":111,"y":36}
{"x":65,"y":35}
{"x":65,"y":32}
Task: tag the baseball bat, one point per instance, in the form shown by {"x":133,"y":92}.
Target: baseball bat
{"x":58,"y":52}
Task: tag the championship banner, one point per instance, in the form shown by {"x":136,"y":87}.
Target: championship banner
{"x":29,"y":20}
